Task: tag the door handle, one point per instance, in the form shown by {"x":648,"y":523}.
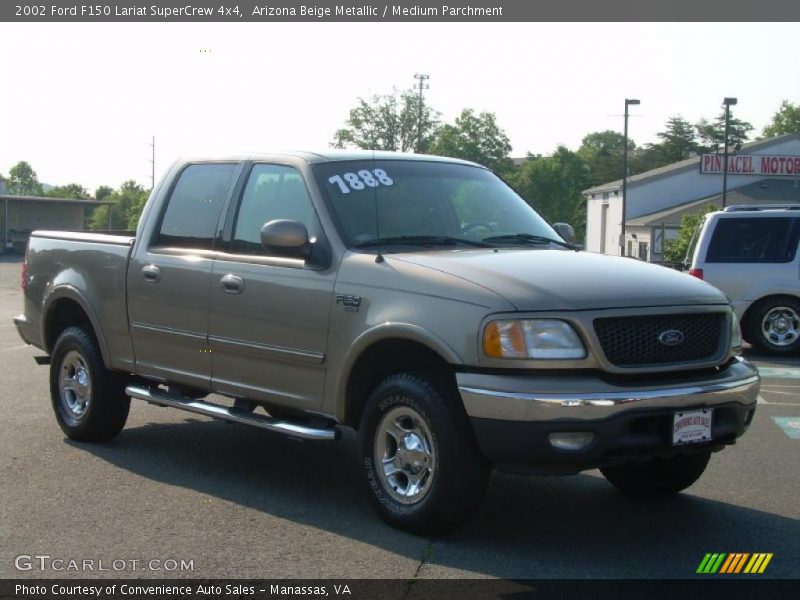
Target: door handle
{"x":151,"y":273}
{"x":232,"y":284}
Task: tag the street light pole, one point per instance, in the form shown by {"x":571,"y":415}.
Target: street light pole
{"x":628,"y":102}
{"x":728,"y":102}
{"x":421,"y":85}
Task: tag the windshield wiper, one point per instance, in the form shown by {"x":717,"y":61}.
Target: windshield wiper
{"x":423,"y":240}
{"x":528,"y":238}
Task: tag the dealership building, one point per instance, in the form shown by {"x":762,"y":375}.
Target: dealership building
{"x":763,"y":172}
{"x":19,"y":215}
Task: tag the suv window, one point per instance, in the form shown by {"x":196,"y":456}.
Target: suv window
{"x":756,"y":240}
{"x":272,"y":192}
{"x":194,"y":206}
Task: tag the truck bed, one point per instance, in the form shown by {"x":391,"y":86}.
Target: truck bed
{"x":87,"y":268}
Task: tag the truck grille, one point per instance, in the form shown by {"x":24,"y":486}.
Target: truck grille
{"x":634,"y":341}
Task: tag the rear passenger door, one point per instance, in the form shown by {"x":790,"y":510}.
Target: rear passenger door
{"x":170,"y":274}
{"x":268,"y":334}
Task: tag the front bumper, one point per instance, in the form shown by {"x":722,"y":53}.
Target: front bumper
{"x":514,"y":415}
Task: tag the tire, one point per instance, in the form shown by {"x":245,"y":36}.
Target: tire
{"x":89,"y":400}
{"x":659,"y":476}
{"x":440,"y":475}
{"x":774,"y":325}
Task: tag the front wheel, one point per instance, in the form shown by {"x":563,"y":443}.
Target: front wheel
{"x":658,"y":476}
{"x":89,"y":400}
{"x":423,"y":468}
{"x":774,"y":325}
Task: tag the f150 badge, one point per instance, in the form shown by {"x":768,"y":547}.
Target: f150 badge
{"x":348,"y":302}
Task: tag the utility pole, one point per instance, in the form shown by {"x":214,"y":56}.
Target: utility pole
{"x":628,"y":102}
{"x":153,"y":163}
{"x":728,"y":102}
{"x":421,"y":85}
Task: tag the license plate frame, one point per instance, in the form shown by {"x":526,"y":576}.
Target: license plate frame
{"x":692,"y":426}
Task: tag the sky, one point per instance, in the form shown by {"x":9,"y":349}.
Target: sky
{"x":80,"y":102}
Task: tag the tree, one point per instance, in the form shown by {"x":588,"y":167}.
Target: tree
{"x":395,"y":122}
{"x":475,"y":137}
{"x":103,"y":192}
{"x":603,"y":151}
{"x":786,"y":120}
{"x":712,"y":134}
{"x":675,"y":250}
{"x":128,"y":202}
{"x":73,"y":191}
{"x":678,"y":141}
{"x":22,"y":180}
{"x":553,"y":184}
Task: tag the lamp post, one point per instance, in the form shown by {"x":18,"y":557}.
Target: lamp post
{"x":728,"y":102}
{"x":628,"y":102}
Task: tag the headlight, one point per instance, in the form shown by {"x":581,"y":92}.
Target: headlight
{"x":532,"y":338}
{"x":736,"y":332}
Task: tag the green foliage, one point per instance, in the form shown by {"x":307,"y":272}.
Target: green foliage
{"x":72,"y":191}
{"x":22,"y":180}
{"x":128,"y":201}
{"x":786,"y":120}
{"x":678,"y":141}
{"x":553,"y":184}
{"x":712,"y":134}
{"x":475,"y":137}
{"x":675,"y":250}
{"x":399,"y":122}
{"x":603,"y":151}
{"x":103,"y":192}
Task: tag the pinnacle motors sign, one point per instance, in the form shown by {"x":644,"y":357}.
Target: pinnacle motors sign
{"x":751,"y":164}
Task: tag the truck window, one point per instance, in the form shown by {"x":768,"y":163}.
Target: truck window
{"x":272,"y":192}
{"x":757,"y":240}
{"x":193,"y":209}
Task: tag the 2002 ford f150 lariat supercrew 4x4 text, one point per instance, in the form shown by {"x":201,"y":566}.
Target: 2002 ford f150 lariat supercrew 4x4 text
{"x":416,"y":299}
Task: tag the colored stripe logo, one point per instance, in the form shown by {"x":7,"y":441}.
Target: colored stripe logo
{"x":735,"y":562}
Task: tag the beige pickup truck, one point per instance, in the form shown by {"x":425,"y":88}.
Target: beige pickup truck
{"x":416,"y":299}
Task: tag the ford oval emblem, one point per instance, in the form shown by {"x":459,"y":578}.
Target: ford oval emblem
{"x":671,"y":337}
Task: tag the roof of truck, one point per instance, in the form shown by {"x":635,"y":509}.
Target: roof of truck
{"x":333,"y":155}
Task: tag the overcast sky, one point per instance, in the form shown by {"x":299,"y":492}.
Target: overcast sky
{"x":81,"y":101}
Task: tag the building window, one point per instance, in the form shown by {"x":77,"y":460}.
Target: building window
{"x":605,"y":195}
{"x":643,"y":250}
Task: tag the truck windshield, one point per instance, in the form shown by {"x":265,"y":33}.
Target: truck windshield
{"x":427,"y":203}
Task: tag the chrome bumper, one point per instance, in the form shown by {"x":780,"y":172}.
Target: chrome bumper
{"x":550,"y":398}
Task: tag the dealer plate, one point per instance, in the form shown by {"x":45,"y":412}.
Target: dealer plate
{"x":691,"y":427}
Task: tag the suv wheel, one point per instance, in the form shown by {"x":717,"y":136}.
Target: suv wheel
{"x":774,"y":325}
{"x":658,"y":476}
{"x":422,"y":465}
{"x":89,"y":400}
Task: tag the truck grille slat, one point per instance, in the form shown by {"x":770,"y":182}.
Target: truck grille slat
{"x":634,"y":341}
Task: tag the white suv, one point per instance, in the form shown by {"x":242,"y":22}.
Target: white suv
{"x":750,"y":253}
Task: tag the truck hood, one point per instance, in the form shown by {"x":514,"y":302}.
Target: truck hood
{"x":540,"y":279}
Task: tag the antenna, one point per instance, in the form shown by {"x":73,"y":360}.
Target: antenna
{"x":152,"y":162}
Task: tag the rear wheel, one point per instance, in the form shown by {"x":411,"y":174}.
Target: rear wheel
{"x":89,"y":400}
{"x":774,"y":325}
{"x":659,"y":476}
{"x":423,"y":468}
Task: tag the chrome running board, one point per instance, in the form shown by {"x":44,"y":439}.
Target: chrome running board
{"x":217,"y":411}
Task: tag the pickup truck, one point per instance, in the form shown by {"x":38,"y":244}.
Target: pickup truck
{"x":416,"y":299}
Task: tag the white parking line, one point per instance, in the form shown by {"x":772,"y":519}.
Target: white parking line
{"x":782,"y":372}
{"x":797,"y":394}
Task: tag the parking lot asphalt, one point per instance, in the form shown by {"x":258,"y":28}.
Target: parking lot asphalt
{"x":239,"y":502}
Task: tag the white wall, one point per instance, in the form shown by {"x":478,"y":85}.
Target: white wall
{"x":613,"y":224}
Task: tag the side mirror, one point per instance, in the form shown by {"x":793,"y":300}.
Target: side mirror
{"x":284,"y":237}
{"x":566,"y":231}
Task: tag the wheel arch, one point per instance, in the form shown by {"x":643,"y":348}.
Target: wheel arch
{"x":385,"y":350}
{"x":66,"y":307}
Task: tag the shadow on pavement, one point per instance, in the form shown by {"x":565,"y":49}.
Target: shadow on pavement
{"x":570,"y":527}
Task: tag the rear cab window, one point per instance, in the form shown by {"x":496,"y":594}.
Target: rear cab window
{"x":194,"y":206}
{"x":754,"y":240}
